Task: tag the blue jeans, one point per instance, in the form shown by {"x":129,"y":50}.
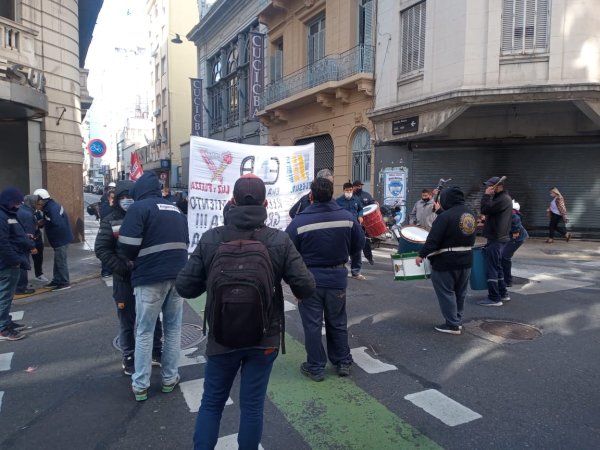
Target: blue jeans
{"x":330,"y":303}
{"x":9,"y":278}
{"x":506,"y":259}
{"x":150,"y":300}
{"x":451,"y":289}
{"x":61,"y":267}
{"x":219,"y":374}
{"x":493,"y":269}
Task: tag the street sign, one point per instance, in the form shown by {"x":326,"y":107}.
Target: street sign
{"x":408,"y":125}
{"x":96,"y":148}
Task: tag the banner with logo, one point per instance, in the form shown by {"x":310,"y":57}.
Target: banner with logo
{"x":196,"y":106}
{"x":136,"y":170}
{"x":216,"y":165}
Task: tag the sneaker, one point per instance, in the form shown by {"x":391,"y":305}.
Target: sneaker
{"x":450,"y":329}
{"x":505,"y":298}
{"x":51,"y":285}
{"x":508,"y":284}
{"x":9,"y":334}
{"x":27,"y":291}
{"x":106,"y":274}
{"x":140,"y":396}
{"x":359,"y":277}
{"x":128,"y":365}
{"x":313,"y":376}
{"x":42,"y":278}
{"x":156,"y":360}
{"x":61,"y":287}
{"x":343,"y":369}
{"x":371,"y":261}
{"x":16,"y":326}
{"x":488,"y":302}
{"x":166,"y":388}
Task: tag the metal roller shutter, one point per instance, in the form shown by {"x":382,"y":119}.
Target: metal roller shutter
{"x":323,"y":151}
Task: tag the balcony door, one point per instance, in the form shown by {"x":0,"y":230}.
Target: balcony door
{"x":317,"y":65}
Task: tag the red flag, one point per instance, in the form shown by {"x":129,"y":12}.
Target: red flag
{"x":136,"y":170}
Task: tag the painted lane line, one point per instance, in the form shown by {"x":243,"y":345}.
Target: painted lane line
{"x":442,"y":407}
{"x":230,"y":443}
{"x":108,"y":281}
{"x":185,"y":360}
{"x":192,"y":393}
{"x":369,"y":364}
{"x":289,"y":306}
{"x":1,"y":395}
{"x":5,"y":360}
{"x":17,"y":315}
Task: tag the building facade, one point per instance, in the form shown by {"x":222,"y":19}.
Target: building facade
{"x":320,"y":82}
{"x":470,"y":89}
{"x":43,"y":97}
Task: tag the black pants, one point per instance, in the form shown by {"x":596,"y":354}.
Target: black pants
{"x":38,"y":259}
{"x":555,"y":219}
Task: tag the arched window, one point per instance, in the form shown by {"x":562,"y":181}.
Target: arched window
{"x":232,"y":60}
{"x":216,"y":72}
{"x":361,"y":156}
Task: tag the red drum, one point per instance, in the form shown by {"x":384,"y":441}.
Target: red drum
{"x":373,"y":221}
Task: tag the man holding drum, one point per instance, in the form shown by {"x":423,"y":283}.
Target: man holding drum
{"x":366,"y":199}
{"x":352,"y":204}
{"x":448,"y":247}
{"x":423,"y":213}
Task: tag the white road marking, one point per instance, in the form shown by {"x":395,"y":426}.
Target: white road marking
{"x":5,"y":360}
{"x":185,"y":360}
{"x":289,"y":306}
{"x":369,"y":364}
{"x":17,"y":315}
{"x":442,"y":407}
{"x":1,"y":395}
{"x":544,"y":282}
{"x":192,"y":393}
{"x":108,"y":281}
{"x":230,"y":443}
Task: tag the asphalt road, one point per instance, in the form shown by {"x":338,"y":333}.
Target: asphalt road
{"x":412,"y":388}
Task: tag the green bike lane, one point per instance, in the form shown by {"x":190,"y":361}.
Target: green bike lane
{"x":334,"y":413}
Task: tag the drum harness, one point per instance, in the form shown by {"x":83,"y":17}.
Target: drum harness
{"x":450,"y":249}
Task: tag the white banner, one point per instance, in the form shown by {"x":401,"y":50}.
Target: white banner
{"x":216,"y":165}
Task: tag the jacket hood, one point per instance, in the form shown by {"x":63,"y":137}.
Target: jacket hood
{"x":124,"y":186}
{"x":451,"y":197}
{"x":147,"y":186}
{"x":11,"y":197}
{"x":31,"y":201}
{"x":247,"y":216}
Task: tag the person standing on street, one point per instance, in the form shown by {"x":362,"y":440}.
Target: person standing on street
{"x":15,"y":247}
{"x":326,"y":235}
{"x":518,"y":234}
{"x":58,"y":231}
{"x":423,"y":213}
{"x":111,"y":257}
{"x":246,"y":221}
{"x":557,"y":212}
{"x":154,"y":236}
{"x":448,"y":247}
{"x":496,"y":205}
{"x":366,"y":199}
{"x":26,"y":215}
{"x":352,"y":204}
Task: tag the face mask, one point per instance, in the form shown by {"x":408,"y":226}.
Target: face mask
{"x":348,"y":195}
{"x":125,"y":203}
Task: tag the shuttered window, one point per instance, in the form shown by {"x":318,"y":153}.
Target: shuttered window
{"x":277,"y":61}
{"x":365,"y":22}
{"x":316,"y":40}
{"x":361,"y":157}
{"x":412,"y":21}
{"x":525,"y":26}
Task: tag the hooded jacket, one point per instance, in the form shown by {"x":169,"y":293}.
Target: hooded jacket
{"x":14,"y":243}
{"x":498,"y":216}
{"x":56,"y":224}
{"x":325,"y":234}
{"x":154,"y":234}
{"x":287,"y":266}
{"x":454,"y":227}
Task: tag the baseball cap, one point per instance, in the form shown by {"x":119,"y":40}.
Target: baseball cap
{"x":249,"y":190}
{"x":492,"y":181}
{"x":42,"y":193}
{"x":357,"y":183}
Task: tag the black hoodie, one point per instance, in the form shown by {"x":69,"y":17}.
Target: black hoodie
{"x":454,"y":227}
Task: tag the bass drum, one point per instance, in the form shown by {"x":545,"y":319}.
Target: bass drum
{"x":412,"y":239}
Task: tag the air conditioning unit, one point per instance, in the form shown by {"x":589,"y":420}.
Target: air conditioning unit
{"x":156,"y":112}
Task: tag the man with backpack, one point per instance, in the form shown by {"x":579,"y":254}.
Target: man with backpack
{"x":326,"y":235}
{"x":240,"y":266}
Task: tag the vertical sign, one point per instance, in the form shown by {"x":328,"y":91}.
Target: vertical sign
{"x":256,"y":77}
{"x":196,"y":106}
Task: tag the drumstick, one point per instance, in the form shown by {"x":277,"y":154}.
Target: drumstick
{"x":502,"y":178}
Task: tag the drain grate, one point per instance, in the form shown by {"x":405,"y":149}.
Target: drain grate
{"x":510,"y":330}
{"x":191,"y":336}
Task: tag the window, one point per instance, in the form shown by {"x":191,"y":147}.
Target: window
{"x":525,"y":26}
{"x":412,"y":21}
{"x":232,"y":113}
{"x":316,"y":40}
{"x":232,"y":60}
{"x":216,"y":72}
{"x":158,"y":135}
{"x":365,"y":22}
{"x":7,"y":9}
{"x":215,"y":109}
{"x":165,"y":134}
{"x":156,"y":73}
{"x":361,"y":156}
{"x":158,"y":101}
{"x":277,"y":61}
{"x":164,"y":97}
{"x":163,"y":65}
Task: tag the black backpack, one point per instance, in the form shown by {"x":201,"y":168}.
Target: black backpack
{"x":240,"y":293}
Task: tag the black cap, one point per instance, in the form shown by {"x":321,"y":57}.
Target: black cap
{"x":492,"y":181}
{"x":347,"y":185}
{"x":357,"y":183}
{"x":249,"y":190}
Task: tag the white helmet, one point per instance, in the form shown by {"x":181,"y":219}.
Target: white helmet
{"x":516,"y":205}
{"x":112,"y":184}
{"x":42,"y":193}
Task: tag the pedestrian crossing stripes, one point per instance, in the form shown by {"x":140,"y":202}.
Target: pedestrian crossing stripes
{"x":192,"y":393}
{"x":185,"y":360}
{"x":230,"y":443}
{"x":442,"y":407}
{"x":16,"y":315}
{"x":5,"y":360}
{"x":369,"y":364}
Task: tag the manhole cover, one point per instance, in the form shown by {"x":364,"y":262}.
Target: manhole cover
{"x":191,"y":336}
{"x":510,"y":330}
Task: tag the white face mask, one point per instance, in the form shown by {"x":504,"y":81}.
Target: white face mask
{"x":125,"y":203}
{"x":348,"y":195}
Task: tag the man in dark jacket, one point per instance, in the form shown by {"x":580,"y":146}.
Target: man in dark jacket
{"x":26,"y":215}
{"x":58,"y":231}
{"x":366,"y":199}
{"x":326,"y":235}
{"x":518,"y":235}
{"x":14,"y":255}
{"x":448,"y":247}
{"x":246,"y":221}
{"x":496,"y":205}
{"x":352,"y":203}
{"x":154,"y":235}
{"x":108,"y":253}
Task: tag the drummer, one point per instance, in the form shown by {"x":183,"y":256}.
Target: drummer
{"x":352,"y":203}
{"x":366,"y":199}
{"x":423,"y":213}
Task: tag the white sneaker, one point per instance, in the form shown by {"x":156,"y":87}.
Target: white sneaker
{"x":42,"y":278}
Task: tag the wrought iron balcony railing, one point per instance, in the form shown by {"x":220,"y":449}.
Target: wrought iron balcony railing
{"x":360,"y":59}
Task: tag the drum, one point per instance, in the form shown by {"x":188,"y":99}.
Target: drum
{"x":405,"y":267}
{"x":478,"y":279}
{"x":373,"y":221}
{"x":412,"y":239}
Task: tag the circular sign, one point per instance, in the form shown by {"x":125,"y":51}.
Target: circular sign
{"x":97,"y":148}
